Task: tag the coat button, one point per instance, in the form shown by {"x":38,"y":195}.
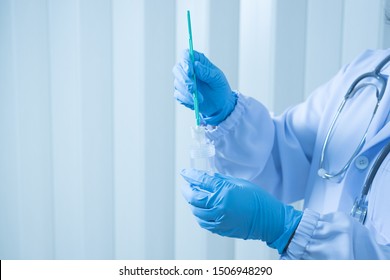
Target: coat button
{"x":361,"y":162}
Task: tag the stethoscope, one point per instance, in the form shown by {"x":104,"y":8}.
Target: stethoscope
{"x":359,"y":209}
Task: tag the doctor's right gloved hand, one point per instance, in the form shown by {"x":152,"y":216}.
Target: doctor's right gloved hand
{"x":216,"y":99}
{"x":238,"y":208}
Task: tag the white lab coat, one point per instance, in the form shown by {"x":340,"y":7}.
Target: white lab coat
{"x":281,"y":154}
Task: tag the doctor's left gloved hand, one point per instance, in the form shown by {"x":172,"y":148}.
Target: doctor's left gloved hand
{"x":237,"y":208}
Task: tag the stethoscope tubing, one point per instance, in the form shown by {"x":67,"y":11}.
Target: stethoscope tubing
{"x":374,"y":170}
{"x":375,"y":74}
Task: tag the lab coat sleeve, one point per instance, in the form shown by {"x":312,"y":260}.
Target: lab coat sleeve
{"x":333,"y":236}
{"x":244,"y":141}
{"x":274,"y":153}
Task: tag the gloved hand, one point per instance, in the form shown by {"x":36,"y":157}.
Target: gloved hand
{"x":237,"y":208}
{"x":216,"y":99}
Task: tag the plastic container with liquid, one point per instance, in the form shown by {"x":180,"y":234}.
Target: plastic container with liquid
{"x":202,"y":151}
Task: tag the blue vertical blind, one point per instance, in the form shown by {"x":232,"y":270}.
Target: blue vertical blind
{"x":87,"y":129}
{"x":91,"y":140}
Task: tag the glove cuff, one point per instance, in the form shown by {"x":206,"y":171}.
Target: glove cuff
{"x":292,"y":218}
{"x":222,"y":114}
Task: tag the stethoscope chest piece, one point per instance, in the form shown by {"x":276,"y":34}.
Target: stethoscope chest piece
{"x":359,"y":210}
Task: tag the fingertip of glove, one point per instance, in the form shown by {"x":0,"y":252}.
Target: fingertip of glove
{"x":204,"y":72}
{"x":192,"y":175}
{"x":199,"y":67}
{"x":175,"y":69}
{"x":185,"y":55}
{"x":188,"y":172}
{"x":184,"y":174}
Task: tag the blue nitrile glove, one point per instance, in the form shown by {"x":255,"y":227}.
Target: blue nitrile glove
{"x":216,"y":99}
{"x":237,"y":208}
